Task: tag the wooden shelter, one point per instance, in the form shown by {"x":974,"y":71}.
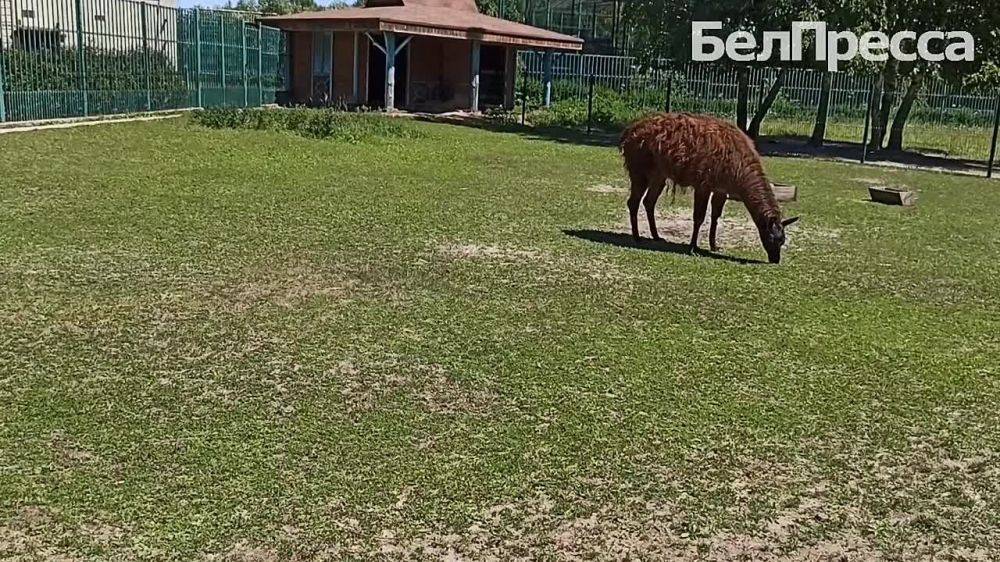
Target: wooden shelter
{"x":443,"y":55}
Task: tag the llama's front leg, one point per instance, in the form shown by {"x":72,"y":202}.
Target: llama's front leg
{"x":718,"y":203}
{"x":634,"y":199}
{"x":700,"y":207}
{"x":650,"y":203}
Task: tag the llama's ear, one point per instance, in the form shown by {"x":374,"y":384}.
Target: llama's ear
{"x":792,"y":220}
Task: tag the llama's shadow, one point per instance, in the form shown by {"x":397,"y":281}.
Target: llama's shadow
{"x":624,"y":240}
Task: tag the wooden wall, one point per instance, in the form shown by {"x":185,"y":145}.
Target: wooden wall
{"x":439,"y":72}
{"x":301,"y":50}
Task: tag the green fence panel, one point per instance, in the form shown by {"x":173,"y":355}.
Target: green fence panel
{"x":3,"y":95}
{"x":72,"y":58}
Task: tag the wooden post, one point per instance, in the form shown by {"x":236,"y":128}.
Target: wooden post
{"x":197,"y":54}
{"x":357,"y":68}
{"x":993,"y":143}
{"x":390,"y":71}
{"x":474,"y":75}
{"x":547,"y":76}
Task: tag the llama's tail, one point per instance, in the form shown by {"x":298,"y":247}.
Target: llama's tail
{"x":632,"y":145}
{"x":631,"y":138}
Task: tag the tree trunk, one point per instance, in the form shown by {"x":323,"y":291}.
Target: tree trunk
{"x":742,"y":97}
{"x":765,"y":105}
{"x":903,"y":113}
{"x":880,"y":120}
{"x":822,"y":111}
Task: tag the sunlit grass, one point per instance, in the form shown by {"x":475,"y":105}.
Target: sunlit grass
{"x":264,"y":346}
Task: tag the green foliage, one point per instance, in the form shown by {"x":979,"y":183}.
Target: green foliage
{"x":280,"y":7}
{"x":609,"y":110}
{"x":106,"y":70}
{"x":313,"y":123}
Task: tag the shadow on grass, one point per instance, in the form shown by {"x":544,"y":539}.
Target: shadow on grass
{"x":789,"y":146}
{"x":799,"y":147}
{"x":623,"y":240}
{"x":598,"y":137}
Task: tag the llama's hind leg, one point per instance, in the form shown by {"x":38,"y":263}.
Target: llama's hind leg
{"x":639,"y":185}
{"x":718,"y":203}
{"x":650,"y":203}
{"x":700,"y":207}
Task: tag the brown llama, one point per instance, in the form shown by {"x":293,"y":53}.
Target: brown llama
{"x":711,"y":156}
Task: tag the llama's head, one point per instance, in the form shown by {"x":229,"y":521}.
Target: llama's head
{"x":772,"y":236}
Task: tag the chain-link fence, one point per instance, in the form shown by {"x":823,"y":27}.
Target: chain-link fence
{"x":75,"y":58}
{"x":918,"y":114}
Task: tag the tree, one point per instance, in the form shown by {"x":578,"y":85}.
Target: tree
{"x":822,"y":111}
{"x":980,"y":18}
{"x":662,"y":32}
{"x":280,"y":7}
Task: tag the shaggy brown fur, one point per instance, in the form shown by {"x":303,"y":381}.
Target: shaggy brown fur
{"x":711,"y":156}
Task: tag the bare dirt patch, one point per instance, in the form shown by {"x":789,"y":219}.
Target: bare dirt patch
{"x":245,"y":552}
{"x":777,"y":511}
{"x":608,"y":189}
{"x":559,"y":266}
{"x":68,"y":451}
{"x":37,"y":533}
{"x":736,"y":229}
{"x":287,"y":286}
{"x":675,"y":224}
{"x":366,"y":384}
{"x":461,"y":251}
{"x":869,"y":181}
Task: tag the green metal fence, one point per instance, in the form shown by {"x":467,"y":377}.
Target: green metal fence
{"x":76,"y":58}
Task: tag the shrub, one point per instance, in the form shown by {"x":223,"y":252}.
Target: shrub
{"x":610,"y":110}
{"x":56,"y":70}
{"x":312,"y":123}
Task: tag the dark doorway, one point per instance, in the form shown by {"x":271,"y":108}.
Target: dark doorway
{"x":492,"y":71}
{"x":376,"y":77}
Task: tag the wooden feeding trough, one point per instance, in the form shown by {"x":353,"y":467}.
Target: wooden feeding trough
{"x":892,"y":195}
{"x":785,"y":192}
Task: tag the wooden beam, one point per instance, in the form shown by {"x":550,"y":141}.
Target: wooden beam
{"x":403,"y":45}
{"x":356,"y":90}
{"x":474,"y":75}
{"x":375,"y":42}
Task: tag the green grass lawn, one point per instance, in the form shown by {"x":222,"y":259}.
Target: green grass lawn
{"x":258,"y":346}
{"x":953,"y":141}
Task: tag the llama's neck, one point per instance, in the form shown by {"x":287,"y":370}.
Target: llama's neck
{"x":759,"y":199}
